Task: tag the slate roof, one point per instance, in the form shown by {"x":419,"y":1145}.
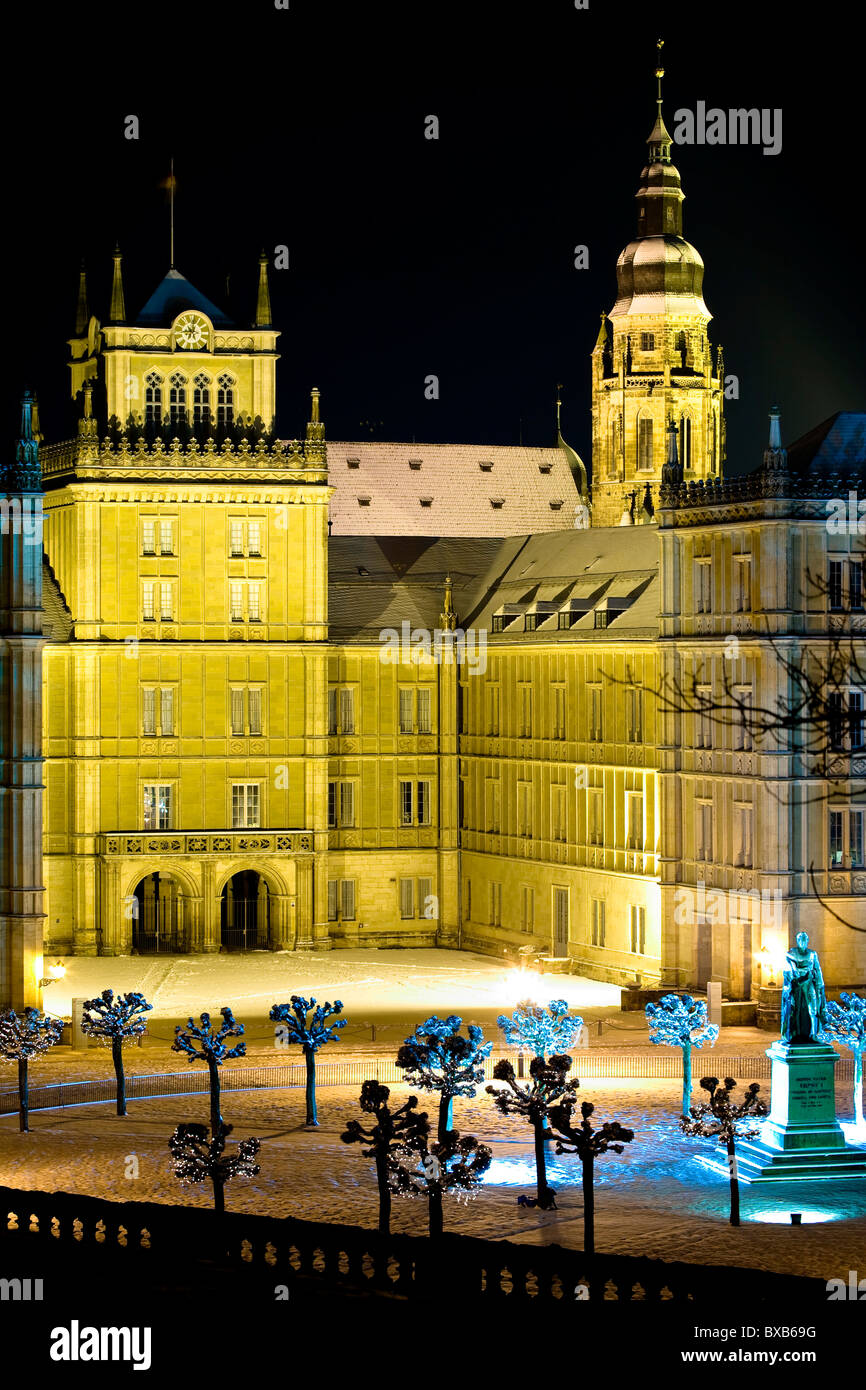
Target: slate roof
{"x":838,"y":443}
{"x":57,"y":619}
{"x":405,"y":581}
{"x":171,"y":297}
{"x":442,"y":489}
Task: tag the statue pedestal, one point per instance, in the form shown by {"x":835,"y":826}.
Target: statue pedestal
{"x":801,"y":1140}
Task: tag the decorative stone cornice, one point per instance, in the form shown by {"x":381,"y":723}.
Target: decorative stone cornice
{"x":280,"y":461}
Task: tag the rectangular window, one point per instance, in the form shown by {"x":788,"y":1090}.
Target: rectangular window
{"x":856,"y":721}
{"x":254,"y":698}
{"x":637,"y":930}
{"x":743,"y":835}
{"x":405,"y":803}
{"x":332,"y":805}
{"x":492,"y":825}
{"x":703,"y":586}
{"x":147,"y":611}
{"x":347,"y":899}
{"x":333,"y":899}
{"x":332,"y":710}
{"x":254,"y":538}
{"x":558,"y":816}
{"x":647,"y":342}
{"x":645,"y":442}
{"x":704,"y":831}
{"x":407,"y":897}
{"x":524,"y":810}
{"x":528,"y":910}
{"x":495,"y":912}
{"x":525,"y":711}
{"x":148,"y":713}
{"x":237,"y":713}
{"x":423,"y":711}
{"x":148,"y":537}
{"x":423,"y":795}
{"x":254,"y":611}
{"x":158,"y":798}
{"x":426,"y":902}
{"x":742,"y":718}
{"x":236,"y":602}
{"x":406,"y":720}
{"x":347,"y":803}
{"x":835,"y":584}
{"x":634,"y":714}
{"x":742,"y":583}
{"x":836,"y":720}
{"x":855,"y":584}
{"x":595,"y":801}
{"x":635,"y":821}
{"x":245,"y":805}
{"x":703,"y":717}
{"x":166,"y":546}
{"x":597,"y":914}
{"x":166,"y":712}
{"x":236,"y":538}
{"x":596,"y":714}
{"x":166,"y":606}
{"x":347,"y":711}
{"x":493,"y":709}
{"x":855,"y":838}
{"x":559,"y":711}
{"x":837,"y":837}
{"x":846,"y":838}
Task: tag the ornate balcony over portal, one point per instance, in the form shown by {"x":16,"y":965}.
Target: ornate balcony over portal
{"x":174,"y":842}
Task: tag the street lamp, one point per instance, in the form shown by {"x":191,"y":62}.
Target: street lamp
{"x":55,"y":972}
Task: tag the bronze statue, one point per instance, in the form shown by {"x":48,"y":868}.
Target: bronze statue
{"x":803,"y":997}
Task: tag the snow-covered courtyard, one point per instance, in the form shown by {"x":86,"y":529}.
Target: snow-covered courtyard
{"x":655,"y":1199}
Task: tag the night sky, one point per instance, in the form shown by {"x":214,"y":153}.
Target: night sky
{"x":454,"y":257}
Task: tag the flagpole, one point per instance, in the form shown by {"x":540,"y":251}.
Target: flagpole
{"x":171,"y":187}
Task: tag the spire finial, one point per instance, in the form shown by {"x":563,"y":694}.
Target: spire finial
{"x":315,"y":428}
{"x":448,"y":617}
{"x":660,"y":72}
{"x":263,"y":300}
{"x":558,"y":408}
{"x":659,"y":141}
{"x":672,"y":473}
{"x":26,"y":474}
{"x":775,"y":457}
{"x":117,"y":313}
{"x":82,"y":316}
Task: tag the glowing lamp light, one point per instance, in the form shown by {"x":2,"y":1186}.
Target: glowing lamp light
{"x":53,"y":973}
{"x":523,"y":986}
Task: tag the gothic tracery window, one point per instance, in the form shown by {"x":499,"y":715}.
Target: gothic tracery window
{"x":225,"y":399}
{"x":153,"y":398}
{"x":177,"y":398}
{"x":201,"y":399}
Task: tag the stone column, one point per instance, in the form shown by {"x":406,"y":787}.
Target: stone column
{"x":210,"y":938}
{"x":304,"y":896}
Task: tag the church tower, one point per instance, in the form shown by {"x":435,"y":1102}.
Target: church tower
{"x":652,"y":363}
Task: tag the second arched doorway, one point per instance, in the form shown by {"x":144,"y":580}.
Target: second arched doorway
{"x":245,"y":913}
{"x":158,"y":925}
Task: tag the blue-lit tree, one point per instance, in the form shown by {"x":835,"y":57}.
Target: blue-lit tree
{"x":845,"y":1024}
{"x":455,"y":1163}
{"x":722,"y":1118}
{"x":587,"y":1143}
{"x":678,"y":1020}
{"x":23,"y":1037}
{"x":203,"y":1043}
{"x":540,"y":1031}
{"x":117,"y":1020}
{"x":438,"y":1057}
{"x":196,"y":1157}
{"x":386,"y":1138}
{"x":548,"y":1084}
{"x":309,"y":1025}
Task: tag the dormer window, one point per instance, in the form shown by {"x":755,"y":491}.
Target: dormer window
{"x":497,"y":502}
{"x":498,"y":623}
{"x":415,"y":465}
{"x":555,"y":504}
{"x":545,"y":467}
{"x":363,"y":501}
{"x":353,"y":463}
{"x":486,"y":467}
{"x":602,"y":617}
{"x":426,"y":501}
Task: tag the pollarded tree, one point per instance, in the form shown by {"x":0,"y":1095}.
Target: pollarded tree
{"x":587,"y":1143}
{"x":202,"y":1043}
{"x":548,"y":1084}
{"x":21,"y":1039}
{"x":385,"y":1138}
{"x":310,"y":1030}
{"x":117,"y":1021}
{"x":455,"y":1163}
{"x":845,"y":1024}
{"x":197,"y":1158}
{"x":541,"y":1031}
{"x":720,"y":1118}
{"x":678,"y":1020}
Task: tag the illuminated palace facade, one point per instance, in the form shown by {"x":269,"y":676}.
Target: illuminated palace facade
{"x":250,"y":735}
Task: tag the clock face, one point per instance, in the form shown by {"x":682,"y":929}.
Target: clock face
{"x":191,"y":331}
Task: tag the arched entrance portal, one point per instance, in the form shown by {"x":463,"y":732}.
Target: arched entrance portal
{"x":158,"y":920}
{"x":245,"y":913}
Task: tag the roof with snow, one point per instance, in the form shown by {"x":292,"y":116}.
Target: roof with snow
{"x":839,"y":442}
{"x":434,"y":490}
{"x":172,"y":296}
